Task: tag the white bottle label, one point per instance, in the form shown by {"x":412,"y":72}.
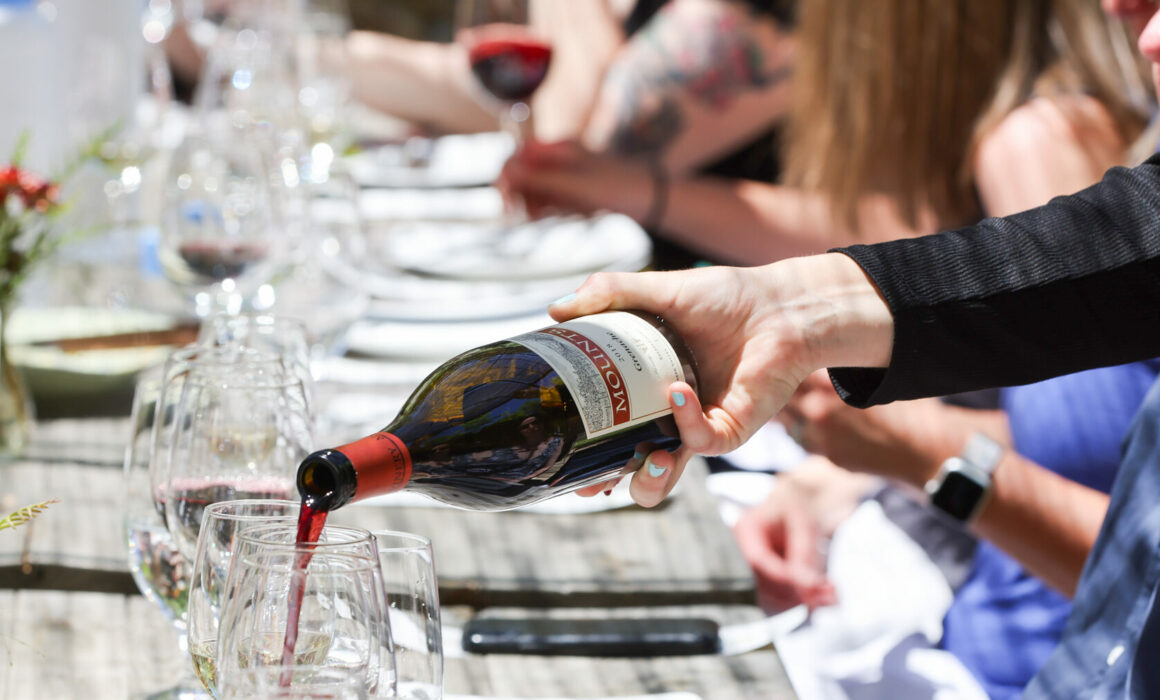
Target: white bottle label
{"x":616,"y":365}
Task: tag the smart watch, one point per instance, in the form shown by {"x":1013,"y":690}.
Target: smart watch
{"x":963,"y":482}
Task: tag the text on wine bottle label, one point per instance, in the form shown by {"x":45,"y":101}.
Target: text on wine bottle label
{"x":616,"y":365}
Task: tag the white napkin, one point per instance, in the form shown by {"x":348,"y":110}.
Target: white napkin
{"x":878,"y":642}
{"x":455,"y":160}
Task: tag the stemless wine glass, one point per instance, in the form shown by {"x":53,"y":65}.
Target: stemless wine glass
{"x":240,"y":428}
{"x":221,"y":523}
{"x":223,"y":526}
{"x":295,"y":682}
{"x":295,"y":603}
{"x":408,"y":565}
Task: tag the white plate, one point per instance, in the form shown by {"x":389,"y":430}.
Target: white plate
{"x":467,"y":204}
{"x":429,"y":271}
{"x":50,"y":370}
{"x":435,"y":340}
{"x":460,"y":160}
{"x":546,"y":249}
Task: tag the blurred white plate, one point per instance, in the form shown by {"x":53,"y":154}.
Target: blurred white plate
{"x":431,"y":271}
{"x":545,"y":249}
{"x":467,"y":204}
{"x":434,"y":340}
{"x":459,"y":160}
{"x":51,"y":370}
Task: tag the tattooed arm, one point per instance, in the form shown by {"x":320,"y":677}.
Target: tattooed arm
{"x":700,"y":79}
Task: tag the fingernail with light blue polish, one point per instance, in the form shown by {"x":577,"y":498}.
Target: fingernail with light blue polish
{"x":678,"y":398}
{"x":638,"y":456}
{"x":655,"y":471}
{"x":564,"y":300}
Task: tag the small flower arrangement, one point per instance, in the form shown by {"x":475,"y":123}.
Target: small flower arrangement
{"x":29,"y":206}
{"x":29,"y":234}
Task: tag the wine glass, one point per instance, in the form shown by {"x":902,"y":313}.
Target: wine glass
{"x":280,"y":336}
{"x":220,"y":525}
{"x":295,"y":682}
{"x":240,"y":427}
{"x":508,"y":58}
{"x":223,"y":523}
{"x":223,"y":231}
{"x":300,"y":603}
{"x":413,"y":606}
{"x":158,"y":568}
{"x":323,"y":82}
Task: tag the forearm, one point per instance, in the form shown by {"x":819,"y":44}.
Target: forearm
{"x":1046,"y":522}
{"x":745,"y":223}
{"x":1065,"y":287}
{"x":586,"y":37}
{"x":426,"y":83}
{"x":700,"y":79}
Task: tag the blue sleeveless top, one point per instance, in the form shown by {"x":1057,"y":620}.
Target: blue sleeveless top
{"x":1004,"y":622}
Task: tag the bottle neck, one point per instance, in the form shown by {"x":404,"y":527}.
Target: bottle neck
{"x":382,"y":464}
{"x":376,"y":464}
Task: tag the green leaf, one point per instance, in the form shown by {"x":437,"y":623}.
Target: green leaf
{"x":24,"y":515}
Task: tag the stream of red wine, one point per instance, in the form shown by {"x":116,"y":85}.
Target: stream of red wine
{"x":310,"y":522}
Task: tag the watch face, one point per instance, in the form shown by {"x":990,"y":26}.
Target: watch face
{"x":958,"y":495}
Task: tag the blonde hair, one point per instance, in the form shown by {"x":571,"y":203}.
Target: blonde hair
{"x":892,"y":96}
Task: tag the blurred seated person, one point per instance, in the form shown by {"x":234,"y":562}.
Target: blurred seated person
{"x":686,"y":81}
{"x":1004,"y":620}
{"x":1053,"y":97}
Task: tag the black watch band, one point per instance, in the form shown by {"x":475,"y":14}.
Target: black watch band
{"x":963,"y":483}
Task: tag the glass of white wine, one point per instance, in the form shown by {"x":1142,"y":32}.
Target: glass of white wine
{"x":221,"y":523}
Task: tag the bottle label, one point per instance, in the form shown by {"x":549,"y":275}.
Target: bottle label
{"x":616,"y":365}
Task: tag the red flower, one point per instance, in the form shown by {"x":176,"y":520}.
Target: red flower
{"x":34,"y":192}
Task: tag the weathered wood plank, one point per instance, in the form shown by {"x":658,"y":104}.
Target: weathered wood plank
{"x":678,"y":553}
{"x":102,"y":646}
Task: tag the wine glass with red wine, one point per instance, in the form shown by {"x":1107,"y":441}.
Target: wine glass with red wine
{"x":507,"y":56}
{"x":240,"y":427}
{"x":223,"y":230}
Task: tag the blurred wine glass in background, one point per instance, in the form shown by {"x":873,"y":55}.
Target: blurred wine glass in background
{"x":508,"y":58}
{"x":223,"y":229}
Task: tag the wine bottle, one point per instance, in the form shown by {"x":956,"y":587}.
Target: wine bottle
{"x":520,"y":420}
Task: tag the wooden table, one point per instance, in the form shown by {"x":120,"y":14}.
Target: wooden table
{"x":676,"y":554}
{"x":73,"y":625}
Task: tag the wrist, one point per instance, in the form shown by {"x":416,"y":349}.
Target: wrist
{"x":843,"y":318}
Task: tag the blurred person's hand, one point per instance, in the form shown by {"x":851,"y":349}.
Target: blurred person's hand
{"x":905,"y":440}
{"x":785,"y":546}
{"x":563,"y":176}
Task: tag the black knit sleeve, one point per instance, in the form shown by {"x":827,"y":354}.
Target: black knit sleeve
{"x":1071,"y":285}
